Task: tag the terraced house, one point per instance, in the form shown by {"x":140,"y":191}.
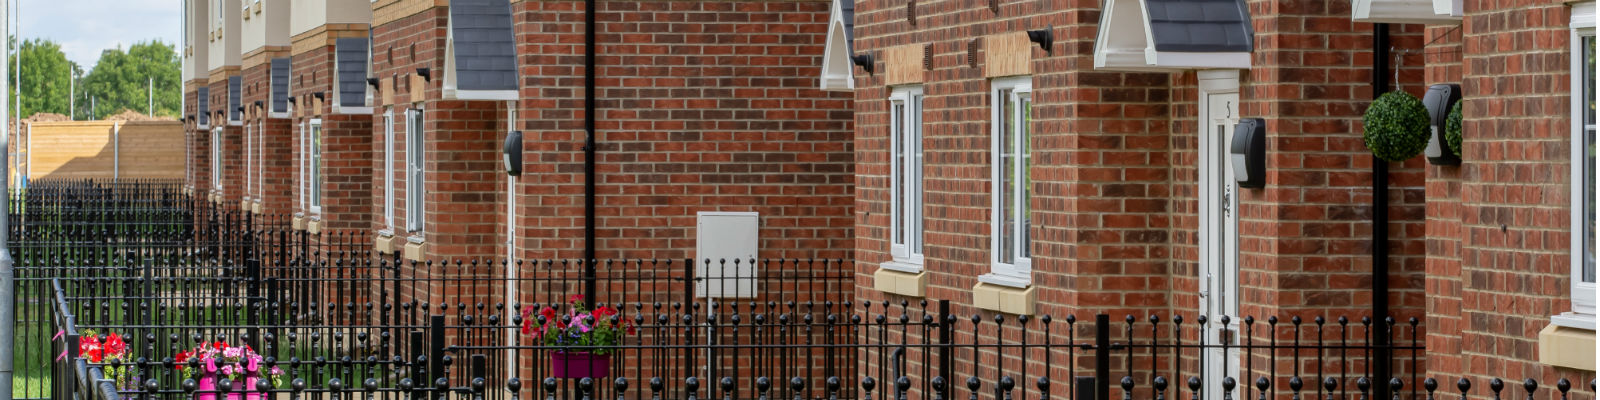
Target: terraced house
{"x":1013,"y":161}
{"x":1205,"y":157}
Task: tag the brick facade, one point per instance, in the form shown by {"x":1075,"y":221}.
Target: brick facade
{"x":232,"y":161}
{"x":346,"y":146}
{"x":1500,"y":223}
{"x":703,"y":106}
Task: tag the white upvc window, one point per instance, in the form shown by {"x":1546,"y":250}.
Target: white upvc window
{"x":249,"y":162}
{"x":305,"y":166}
{"x":905,"y":171}
{"x":261,"y":160}
{"x":1582,"y":314}
{"x":388,"y":171}
{"x":216,"y":158}
{"x":415,"y":172}
{"x":1010,"y":114}
{"x":314,"y":152}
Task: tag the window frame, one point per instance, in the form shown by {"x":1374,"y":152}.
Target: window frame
{"x":1003,"y":91}
{"x":1582,"y":314}
{"x":300,"y":136}
{"x":216,"y":158}
{"x":416,"y":173}
{"x":314,"y":182}
{"x":249,"y":162}
{"x":388,"y":171}
{"x":261,"y":161}
{"x":907,"y":175}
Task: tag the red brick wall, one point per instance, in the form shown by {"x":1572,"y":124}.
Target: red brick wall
{"x":232,"y":146}
{"x":1505,"y":223}
{"x":703,"y":106}
{"x":347,"y":157}
{"x":1115,"y":158}
{"x":273,"y":159}
{"x":1444,"y":215}
{"x":465,"y":193}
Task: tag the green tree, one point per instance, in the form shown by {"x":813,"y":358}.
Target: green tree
{"x":120,"y":80}
{"x":45,"y":74}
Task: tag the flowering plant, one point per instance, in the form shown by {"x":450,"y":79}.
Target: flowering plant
{"x":109,"y":349}
{"x":581,"y":330}
{"x":233,"y":362}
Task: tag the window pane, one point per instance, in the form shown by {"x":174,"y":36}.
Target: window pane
{"x":1008,"y":172}
{"x":897,"y":172}
{"x":1025,"y":183}
{"x":316,"y":165}
{"x":1587,"y":274}
{"x":916,"y":173}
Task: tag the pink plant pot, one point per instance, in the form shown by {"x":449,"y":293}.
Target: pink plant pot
{"x":208,"y":386}
{"x":580,"y":365}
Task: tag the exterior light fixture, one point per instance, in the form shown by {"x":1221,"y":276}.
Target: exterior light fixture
{"x":425,"y":73}
{"x":1044,"y":37}
{"x":1439,"y":100}
{"x":373,"y":82}
{"x":1248,"y":152}
{"x":320,"y":95}
{"x":864,"y":61}
{"x":511,"y":153}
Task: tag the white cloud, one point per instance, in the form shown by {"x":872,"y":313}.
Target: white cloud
{"x":86,"y":27}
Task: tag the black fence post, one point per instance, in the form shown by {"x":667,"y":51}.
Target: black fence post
{"x":1102,"y":357}
{"x":419,"y":368}
{"x":947,"y":355}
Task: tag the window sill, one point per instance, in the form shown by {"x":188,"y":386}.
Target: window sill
{"x":895,"y":281}
{"x":299,"y":222}
{"x":415,"y":249}
{"x":1574,"y":320}
{"x":1004,"y":299}
{"x":314,"y":226}
{"x":899,"y":265}
{"x":1567,"y":347}
{"x":384,"y":243}
{"x":1005,"y":280}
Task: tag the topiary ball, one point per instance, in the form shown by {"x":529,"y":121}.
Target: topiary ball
{"x":1452,"y":130}
{"x":1396,"y":126}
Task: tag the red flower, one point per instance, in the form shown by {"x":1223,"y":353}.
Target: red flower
{"x":219,"y":345}
{"x":114,"y":346}
{"x":575,"y":298}
{"x":549,"y":314}
{"x":89,"y":346}
{"x":604,"y":311}
{"x":629,"y":325}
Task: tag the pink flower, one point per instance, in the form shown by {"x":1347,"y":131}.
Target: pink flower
{"x":232,"y":352}
{"x":227,"y":369}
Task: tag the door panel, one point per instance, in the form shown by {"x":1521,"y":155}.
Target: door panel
{"x":1219,"y":238}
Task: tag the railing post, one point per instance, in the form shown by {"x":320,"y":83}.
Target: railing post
{"x":436,"y":348}
{"x":1102,"y":357}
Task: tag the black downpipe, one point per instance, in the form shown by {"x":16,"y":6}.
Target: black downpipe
{"x":1380,"y":227}
{"x":588,"y":153}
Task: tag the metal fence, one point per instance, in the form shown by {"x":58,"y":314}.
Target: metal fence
{"x":170,"y":274}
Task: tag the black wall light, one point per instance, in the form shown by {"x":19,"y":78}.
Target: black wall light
{"x":320,"y":95}
{"x":259,"y":103}
{"x":291,"y":100}
{"x":511,"y":153}
{"x":426,"y":74}
{"x":373,"y":82}
{"x":863,"y":60}
{"x":1248,"y":153}
{"x":1044,"y":37}
{"x":1439,"y":100}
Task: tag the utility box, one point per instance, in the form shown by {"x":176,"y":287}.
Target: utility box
{"x":725,"y":254}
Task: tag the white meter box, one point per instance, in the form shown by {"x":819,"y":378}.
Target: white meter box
{"x":725,"y":254}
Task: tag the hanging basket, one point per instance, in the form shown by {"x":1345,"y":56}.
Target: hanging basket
{"x":1396,"y":127}
{"x":1452,"y":130}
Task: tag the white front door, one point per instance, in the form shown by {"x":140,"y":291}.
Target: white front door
{"x":1219,"y":226}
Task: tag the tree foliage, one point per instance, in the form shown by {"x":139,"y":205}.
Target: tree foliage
{"x":120,"y":80}
{"x":45,"y":76}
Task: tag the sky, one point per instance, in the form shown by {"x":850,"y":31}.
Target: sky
{"x":85,"y":27}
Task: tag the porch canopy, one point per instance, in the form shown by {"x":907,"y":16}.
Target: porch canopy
{"x":1173,"y":35}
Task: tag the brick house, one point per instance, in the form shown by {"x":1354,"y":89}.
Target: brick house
{"x":1093,"y":175}
{"x":393,"y":114}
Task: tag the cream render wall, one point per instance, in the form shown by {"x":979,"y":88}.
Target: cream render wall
{"x":310,"y":14}
{"x":265,"y":23}
{"x":196,"y":43}
{"x":224,"y":41}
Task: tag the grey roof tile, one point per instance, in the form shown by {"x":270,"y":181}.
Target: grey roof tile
{"x":280,"y":84}
{"x":485,"y":45}
{"x":1203,"y":26}
{"x":351,"y":67}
